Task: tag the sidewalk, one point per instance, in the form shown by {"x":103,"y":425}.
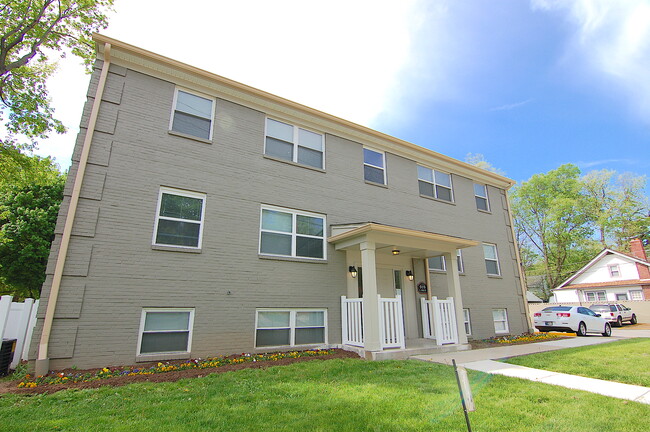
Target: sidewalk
{"x":483,"y":360}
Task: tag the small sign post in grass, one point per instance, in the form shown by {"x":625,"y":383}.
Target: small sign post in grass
{"x":465,"y":392}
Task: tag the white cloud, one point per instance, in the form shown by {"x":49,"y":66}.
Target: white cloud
{"x":511,"y":106}
{"x":613,"y":38}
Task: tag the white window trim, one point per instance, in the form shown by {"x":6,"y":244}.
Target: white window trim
{"x":459,"y":260}
{"x":202,"y":95}
{"x":467,"y":321}
{"x":496,"y":254}
{"x":635,"y":291}
{"x":486,"y":198}
{"x":383,"y":169}
{"x":184,"y":193}
{"x":293,"y":233}
{"x":295,"y":142}
{"x":435,"y":191}
{"x":444,"y":264}
{"x":505,"y":313}
{"x":461,"y":264}
{"x":141,"y":331}
{"x":595,"y":292}
{"x":292,"y":326}
{"x":614,"y":268}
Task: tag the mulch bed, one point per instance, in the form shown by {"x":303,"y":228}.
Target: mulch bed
{"x":483,"y":343}
{"x":12,"y":386}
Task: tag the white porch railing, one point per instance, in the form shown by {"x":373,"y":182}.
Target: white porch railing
{"x":391,"y":322}
{"x":439,"y":320}
{"x":352,"y":321}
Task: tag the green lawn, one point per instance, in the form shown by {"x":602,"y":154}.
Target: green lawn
{"x":331,"y":395}
{"x":626,"y":361}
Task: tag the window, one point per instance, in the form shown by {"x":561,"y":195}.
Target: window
{"x":466,"y":320}
{"x":192,"y":114}
{"x":481,"y":196}
{"x":491,"y":259}
{"x":500,"y":318}
{"x":374,"y":166}
{"x":434,"y":184}
{"x":636,"y":295}
{"x":621,"y":296}
{"x":290,"y":327}
{"x":593,"y":296}
{"x":166,"y":331}
{"x":437,"y":263}
{"x":292,"y":233}
{"x":179,"y":218}
{"x":294,"y":144}
{"x":614,"y":271}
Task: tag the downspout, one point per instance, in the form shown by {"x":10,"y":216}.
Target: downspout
{"x":42,"y":364}
{"x":522,"y":276}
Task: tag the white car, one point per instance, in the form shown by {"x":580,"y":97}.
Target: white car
{"x":615,"y":313}
{"x":573,"y":319}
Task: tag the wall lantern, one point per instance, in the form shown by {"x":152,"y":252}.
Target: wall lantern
{"x":409,"y":274}
{"x":353,"y":271}
{"x":395,"y":251}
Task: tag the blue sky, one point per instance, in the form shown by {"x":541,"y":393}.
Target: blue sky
{"x":530,"y":85}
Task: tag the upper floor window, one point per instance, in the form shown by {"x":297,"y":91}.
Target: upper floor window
{"x":294,"y":144}
{"x":292,"y":233}
{"x":374,"y":166}
{"x":491,"y":259}
{"x":192,"y":114}
{"x":614,"y":270}
{"x":179,"y":218}
{"x":435,"y":184}
{"x":481,"y":196}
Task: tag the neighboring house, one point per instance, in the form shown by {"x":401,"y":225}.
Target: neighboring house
{"x":610,"y":277}
{"x":214,"y":218}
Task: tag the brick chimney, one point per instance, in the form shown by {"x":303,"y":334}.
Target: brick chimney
{"x":636,"y":247}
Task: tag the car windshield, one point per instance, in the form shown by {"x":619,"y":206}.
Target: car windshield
{"x":557,"y":308}
{"x":600,"y":308}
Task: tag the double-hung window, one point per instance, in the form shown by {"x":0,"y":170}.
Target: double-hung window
{"x":192,"y":114}
{"x":374,"y":166}
{"x":614,"y":270}
{"x":481,"y":196}
{"x":292,"y":233}
{"x":467,"y":322}
{"x":435,"y":184}
{"x":166,"y":331}
{"x":500,"y":318}
{"x":294,"y":144}
{"x":438,"y":263}
{"x":491,"y":259}
{"x":593,"y":296}
{"x":179,"y":218}
{"x":290,"y":327}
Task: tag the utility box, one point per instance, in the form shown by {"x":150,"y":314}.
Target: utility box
{"x":6,"y":355}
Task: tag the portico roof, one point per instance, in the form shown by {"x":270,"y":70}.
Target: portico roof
{"x":415,"y":242}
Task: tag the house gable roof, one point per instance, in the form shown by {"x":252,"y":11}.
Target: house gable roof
{"x":567,"y":283}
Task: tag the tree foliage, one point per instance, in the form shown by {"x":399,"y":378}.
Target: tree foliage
{"x":28,"y":212}
{"x":477,"y":159}
{"x":557,"y":214}
{"x":31,"y":32}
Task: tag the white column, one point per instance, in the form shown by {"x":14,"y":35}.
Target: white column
{"x":453,"y":289}
{"x":372,"y":335}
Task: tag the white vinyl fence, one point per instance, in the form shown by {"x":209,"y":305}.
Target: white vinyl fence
{"x":17,"y":321}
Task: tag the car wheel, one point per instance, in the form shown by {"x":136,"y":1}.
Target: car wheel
{"x":619,"y":321}
{"x":582,"y":329}
{"x":608,"y":330}
{"x":633,"y":320}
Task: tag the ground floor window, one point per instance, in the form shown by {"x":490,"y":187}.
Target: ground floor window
{"x":290,"y":327}
{"x":165,"y":331}
{"x":636,"y":295}
{"x":500,"y":318}
{"x":593,"y":296}
{"x":466,"y":320}
{"x":622,"y":296}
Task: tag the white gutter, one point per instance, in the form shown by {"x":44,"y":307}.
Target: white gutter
{"x":42,"y":361}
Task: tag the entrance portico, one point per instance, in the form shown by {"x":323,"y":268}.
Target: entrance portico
{"x":382,"y":255}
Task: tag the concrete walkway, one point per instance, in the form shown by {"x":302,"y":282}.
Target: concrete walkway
{"x":483,"y":360}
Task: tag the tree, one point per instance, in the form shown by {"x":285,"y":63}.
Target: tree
{"x":28,"y":212}
{"x":553,"y":221}
{"x":619,"y":205}
{"x":477,"y":159}
{"x":30,"y":32}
